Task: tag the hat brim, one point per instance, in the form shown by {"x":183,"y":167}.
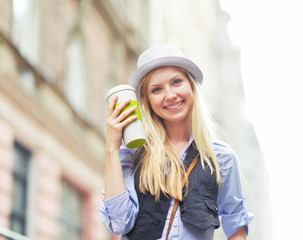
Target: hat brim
{"x":181,"y":62}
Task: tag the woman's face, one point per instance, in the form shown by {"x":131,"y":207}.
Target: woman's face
{"x":170,"y":95}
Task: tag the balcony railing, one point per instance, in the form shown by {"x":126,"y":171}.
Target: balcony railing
{"x":10,"y":235}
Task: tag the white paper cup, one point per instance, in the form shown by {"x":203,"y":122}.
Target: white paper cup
{"x":133,"y":134}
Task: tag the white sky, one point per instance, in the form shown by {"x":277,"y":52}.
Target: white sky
{"x":270,"y":35}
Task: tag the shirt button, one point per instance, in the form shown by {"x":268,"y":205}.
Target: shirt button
{"x":182,"y":210}
{"x":175,"y":225}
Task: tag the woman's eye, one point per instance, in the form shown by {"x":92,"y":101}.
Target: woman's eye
{"x":156,"y":90}
{"x":177,"y":81}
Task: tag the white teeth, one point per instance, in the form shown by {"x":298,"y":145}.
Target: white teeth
{"x":174,"y":106}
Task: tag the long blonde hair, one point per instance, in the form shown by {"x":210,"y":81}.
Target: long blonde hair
{"x":161,"y":170}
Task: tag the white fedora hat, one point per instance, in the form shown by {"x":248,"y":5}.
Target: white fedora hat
{"x":160,"y":56}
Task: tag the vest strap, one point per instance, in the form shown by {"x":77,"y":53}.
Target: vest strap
{"x":191,"y":166}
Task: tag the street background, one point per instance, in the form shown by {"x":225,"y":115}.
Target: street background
{"x":59,"y":58}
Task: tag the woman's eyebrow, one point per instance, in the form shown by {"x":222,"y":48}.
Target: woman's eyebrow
{"x":154,"y":85}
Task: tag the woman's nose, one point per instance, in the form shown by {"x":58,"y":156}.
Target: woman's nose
{"x":170,"y":95}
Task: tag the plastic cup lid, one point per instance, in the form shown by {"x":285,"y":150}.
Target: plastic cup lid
{"x":119,"y":88}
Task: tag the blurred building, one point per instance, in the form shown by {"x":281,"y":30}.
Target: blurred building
{"x":57,"y":60}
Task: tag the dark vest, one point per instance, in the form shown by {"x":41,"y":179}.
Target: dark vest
{"x":198,"y":208}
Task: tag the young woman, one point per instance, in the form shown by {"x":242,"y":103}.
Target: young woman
{"x":142,"y":185}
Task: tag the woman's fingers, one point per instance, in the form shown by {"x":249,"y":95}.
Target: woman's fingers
{"x":111,"y":105}
{"x":118,"y":109}
{"x":125,"y":121}
{"x":123,"y":116}
{"x":117,"y":120}
{"x":115,"y":111}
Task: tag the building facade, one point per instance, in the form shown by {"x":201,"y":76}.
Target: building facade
{"x":57,"y":61}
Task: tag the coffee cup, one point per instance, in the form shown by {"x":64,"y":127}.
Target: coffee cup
{"x":133,"y":134}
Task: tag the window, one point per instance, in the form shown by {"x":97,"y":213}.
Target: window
{"x":119,"y":6}
{"x":25,"y":27}
{"x":75,"y":78}
{"x":27,"y":80}
{"x":71,"y":213}
{"x":21,"y":160}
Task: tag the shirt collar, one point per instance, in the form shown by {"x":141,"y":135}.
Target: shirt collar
{"x":191,"y":138}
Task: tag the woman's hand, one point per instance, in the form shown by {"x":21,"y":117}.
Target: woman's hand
{"x":116,"y":121}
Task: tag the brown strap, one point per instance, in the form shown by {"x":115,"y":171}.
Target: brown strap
{"x":191,"y":166}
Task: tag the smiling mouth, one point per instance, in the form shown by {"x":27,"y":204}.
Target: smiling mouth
{"x":174,"y":106}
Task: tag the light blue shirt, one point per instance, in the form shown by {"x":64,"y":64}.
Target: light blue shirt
{"x":121,"y":211}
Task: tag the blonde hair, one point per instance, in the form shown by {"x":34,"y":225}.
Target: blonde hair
{"x":160,"y":165}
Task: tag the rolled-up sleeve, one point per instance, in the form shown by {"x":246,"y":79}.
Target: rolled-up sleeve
{"x":231,"y":201}
{"x":119,"y":213}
